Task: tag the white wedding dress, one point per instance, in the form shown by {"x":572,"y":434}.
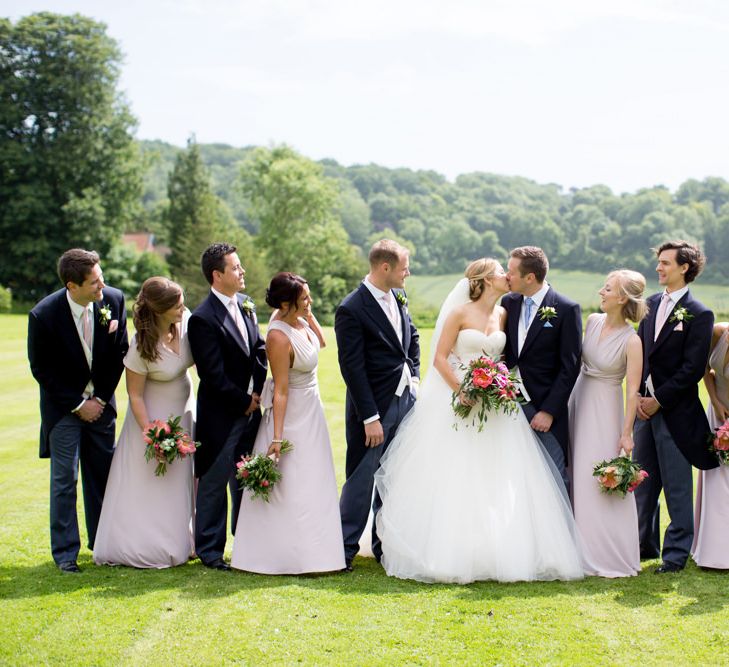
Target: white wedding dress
{"x":462,"y":505}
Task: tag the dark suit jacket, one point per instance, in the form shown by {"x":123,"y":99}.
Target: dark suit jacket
{"x":58,"y":362}
{"x":225,"y":372}
{"x":676,"y":362}
{"x":549,"y":362}
{"x":371,"y":357}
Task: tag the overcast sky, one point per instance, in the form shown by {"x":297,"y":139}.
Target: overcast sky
{"x":629,"y":93}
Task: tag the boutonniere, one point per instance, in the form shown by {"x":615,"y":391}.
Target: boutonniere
{"x":249,"y":308}
{"x":104,"y":315}
{"x":401,"y":299}
{"x":547,"y":313}
{"x":680,"y":314}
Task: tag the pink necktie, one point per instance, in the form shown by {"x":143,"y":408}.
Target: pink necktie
{"x":662,"y":314}
{"x":86,"y":328}
{"x":238,"y":319}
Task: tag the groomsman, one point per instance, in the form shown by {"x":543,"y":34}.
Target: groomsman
{"x":230,"y":357}
{"x":544,"y":343}
{"x":671,"y":430}
{"x":77,"y":340}
{"x":379,"y":358}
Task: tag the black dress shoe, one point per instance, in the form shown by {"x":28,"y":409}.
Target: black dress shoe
{"x":348,"y":566}
{"x":218,"y":564}
{"x":69,"y":566}
{"x":669,"y":567}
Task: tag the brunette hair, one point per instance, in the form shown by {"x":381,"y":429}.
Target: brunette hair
{"x":157,"y":296}
{"x":285,"y":287}
{"x":533,"y":260}
{"x":478,"y":272}
{"x":388,"y":251}
{"x":686,"y":253}
{"x":631,"y":285}
{"x":75,"y":265}
{"x":213,"y":259}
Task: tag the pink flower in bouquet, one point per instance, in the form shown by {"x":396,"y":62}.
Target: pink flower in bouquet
{"x":502,"y":368}
{"x":501,"y":381}
{"x":244,"y":473}
{"x":481,"y":378}
{"x":637,"y":480}
{"x":609,"y":478}
{"x":721,"y":442}
{"x":264,"y":482}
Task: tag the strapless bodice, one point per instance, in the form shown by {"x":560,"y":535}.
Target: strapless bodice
{"x":472,"y":343}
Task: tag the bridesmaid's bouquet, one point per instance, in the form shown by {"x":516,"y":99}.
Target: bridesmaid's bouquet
{"x":619,"y":475}
{"x":720,"y":443}
{"x":167,"y":441}
{"x":260,"y":473}
{"x":490,"y":386}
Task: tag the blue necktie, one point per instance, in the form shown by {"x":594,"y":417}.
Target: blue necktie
{"x":529,"y":303}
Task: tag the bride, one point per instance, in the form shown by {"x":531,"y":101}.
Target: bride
{"x":459,"y":505}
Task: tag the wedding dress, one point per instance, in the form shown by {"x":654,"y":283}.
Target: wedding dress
{"x":461,"y":505}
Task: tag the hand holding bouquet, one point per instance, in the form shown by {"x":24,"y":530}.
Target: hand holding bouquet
{"x":260,"y":473}
{"x":720,"y":443}
{"x":167,"y":441}
{"x":619,"y":475}
{"x":487,"y":387}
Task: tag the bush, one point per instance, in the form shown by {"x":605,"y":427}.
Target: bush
{"x":6,"y":299}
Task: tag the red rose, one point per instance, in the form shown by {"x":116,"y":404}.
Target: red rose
{"x":264,"y":482}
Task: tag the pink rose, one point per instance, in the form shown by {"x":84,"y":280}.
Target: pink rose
{"x":501,"y":367}
{"x":722,"y":441}
{"x":244,"y":473}
{"x":264,"y":482}
{"x":609,"y":478}
{"x":481,"y":378}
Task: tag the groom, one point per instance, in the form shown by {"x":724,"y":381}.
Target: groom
{"x":671,"y":432}
{"x":77,"y":340}
{"x":544,"y":334}
{"x":230,"y":356}
{"x":379,"y":358}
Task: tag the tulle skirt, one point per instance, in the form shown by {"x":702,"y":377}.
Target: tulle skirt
{"x":466,"y":505}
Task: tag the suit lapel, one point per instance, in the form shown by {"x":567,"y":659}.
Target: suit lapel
{"x":404,"y":328}
{"x":68,"y":330}
{"x":221,"y":312}
{"x":373,"y":309}
{"x":668,"y":326}
{"x":537,"y":322}
{"x":513,"y":321}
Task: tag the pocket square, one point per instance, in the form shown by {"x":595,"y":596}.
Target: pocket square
{"x":678,"y":327}
{"x":548,"y":325}
{"x":113,"y":326}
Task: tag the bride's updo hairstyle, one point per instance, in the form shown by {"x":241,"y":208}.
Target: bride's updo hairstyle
{"x":631,"y":285}
{"x":478,"y":272}
{"x":285,"y":287}
{"x":157,"y":296}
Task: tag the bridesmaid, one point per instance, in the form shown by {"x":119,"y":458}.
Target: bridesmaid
{"x":711,"y":515}
{"x":146,"y":521}
{"x":300,"y":529}
{"x":611,"y":351}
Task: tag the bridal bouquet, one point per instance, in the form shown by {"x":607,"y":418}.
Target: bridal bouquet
{"x":490,"y":386}
{"x":260,"y":473}
{"x":167,"y":441}
{"x":619,"y":475}
{"x":720,"y":443}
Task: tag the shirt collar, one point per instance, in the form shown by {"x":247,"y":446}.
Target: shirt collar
{"x":225,"y":300}
{"x":375,"y":291}
{"x":76,"y":308}
{"x":677,"y":295}
{"x":538,"y":297}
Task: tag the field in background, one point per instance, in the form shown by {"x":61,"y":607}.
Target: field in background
{"x":581,"y":286}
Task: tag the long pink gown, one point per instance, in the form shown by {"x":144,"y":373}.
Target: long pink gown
{"x":300,"y":529}
{"x":711,"y":514}
{"x":608,"y":524}
{"x":146,"y":521}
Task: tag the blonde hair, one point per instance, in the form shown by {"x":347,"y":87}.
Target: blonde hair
{"x":631,"y":285}
{"x":478,"y":272}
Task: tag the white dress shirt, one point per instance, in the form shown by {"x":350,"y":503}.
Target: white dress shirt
{"x":226,"y":301}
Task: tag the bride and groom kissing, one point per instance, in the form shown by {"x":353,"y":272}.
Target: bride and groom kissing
{"x":459,"y":505}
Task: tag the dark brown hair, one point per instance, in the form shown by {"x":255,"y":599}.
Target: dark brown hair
{"x":76,"y":264}
{"x":213,"y":259}
{"x":533,"y":260}
{"x":157,"y":296}
{"x":686,"y":253}
{"x":285,"y":287}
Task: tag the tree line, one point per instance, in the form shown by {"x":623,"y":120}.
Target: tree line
{"x":72,"y":174}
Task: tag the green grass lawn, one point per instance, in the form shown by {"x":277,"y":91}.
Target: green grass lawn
{"x":194,"y":616}
{"x":581,"y":286}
